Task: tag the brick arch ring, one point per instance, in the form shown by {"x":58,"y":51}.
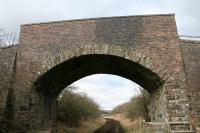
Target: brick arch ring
{"x":107,"y":49}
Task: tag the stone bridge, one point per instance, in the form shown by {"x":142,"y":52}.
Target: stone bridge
{"x":145,"y":49}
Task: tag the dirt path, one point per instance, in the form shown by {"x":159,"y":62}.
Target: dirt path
{"x":111,"y":126}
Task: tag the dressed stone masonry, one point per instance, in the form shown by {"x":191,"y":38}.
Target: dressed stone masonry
{"x":145,"y":49}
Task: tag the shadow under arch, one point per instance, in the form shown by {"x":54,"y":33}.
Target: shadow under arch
{"x":74,"y":63}
{"x":60,"y":76}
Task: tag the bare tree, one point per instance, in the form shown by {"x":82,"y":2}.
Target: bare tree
{"x":7,"y":55}
{"x":7,"y":39}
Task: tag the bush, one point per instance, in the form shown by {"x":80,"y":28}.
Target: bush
{"x":121,"y":108}
{"x":137,"y":107}
{"x":74,"y":107}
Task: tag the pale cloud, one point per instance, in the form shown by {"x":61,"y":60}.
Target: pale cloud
{"x":13,"y":13}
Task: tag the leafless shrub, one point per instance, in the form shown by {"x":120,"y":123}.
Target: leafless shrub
{"x":7,"y":39}
{"x":137,"y":107}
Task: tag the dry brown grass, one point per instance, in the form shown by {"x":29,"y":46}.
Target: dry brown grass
{"x":91,"y":125}
{"x":128,"y":125}
{"x":86,"y":126}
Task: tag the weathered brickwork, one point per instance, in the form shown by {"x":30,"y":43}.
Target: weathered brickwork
{"x":191,"y":56}
{"x":144,"y":49}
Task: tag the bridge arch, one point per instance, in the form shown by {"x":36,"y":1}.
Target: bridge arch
{"x":77,"y":62}
{"x":60,"y":76}
{"x":125,"y":52}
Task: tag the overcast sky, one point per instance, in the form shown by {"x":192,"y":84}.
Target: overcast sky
{"x":107,"y":90}
{"x":13,"y":13}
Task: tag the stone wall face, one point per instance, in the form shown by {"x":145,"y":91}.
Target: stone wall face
{"x":153,"y":36}
{"x":7,"y":58}
{"x":191,"y":56}
{"x":158,"y":106}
